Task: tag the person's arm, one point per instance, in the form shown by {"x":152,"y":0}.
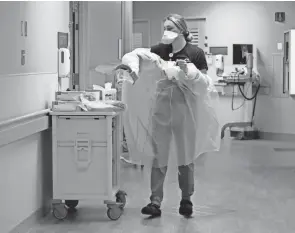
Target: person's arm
{"x":200,"y":61}
{"x":191,"y":78}
{"x":131,"y":61}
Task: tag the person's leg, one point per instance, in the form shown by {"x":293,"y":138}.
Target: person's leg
{"x":186,"y":184}
{"x":186,"y":181}
{"x":157,"y":188}
{"x":158,"y":175}
{"x":161,"y":138}
{"x":185,"y":137}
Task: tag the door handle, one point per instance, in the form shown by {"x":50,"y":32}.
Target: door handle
{"x":284,"y":75}
{"x":21,"y":28}
{"x":120,"y":49}
{"x":26,"y":28}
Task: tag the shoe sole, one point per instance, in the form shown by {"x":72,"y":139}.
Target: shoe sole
{"x":152,"y":215}
{"x":186,"y":214}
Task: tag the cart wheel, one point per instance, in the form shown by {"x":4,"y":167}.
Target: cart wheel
{"x":71,"y":203}
{"x":60,"y":212}
{"x":121,"y":198}
{"x":114,"y":213}
{"x":240,"y":136}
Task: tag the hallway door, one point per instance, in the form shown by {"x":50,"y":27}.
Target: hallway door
{"x":197,"y":26}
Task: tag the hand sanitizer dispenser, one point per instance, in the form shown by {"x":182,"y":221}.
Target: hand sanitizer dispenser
{"x":63,"y":62}
{"x":219,"y":64}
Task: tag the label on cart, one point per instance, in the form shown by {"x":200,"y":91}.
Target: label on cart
{"x":82,"y":155}
{"x":108,"y":97}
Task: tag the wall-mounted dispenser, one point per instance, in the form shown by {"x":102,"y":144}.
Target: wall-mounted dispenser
{"x":64,"y":64}
{"x":219,"y":64}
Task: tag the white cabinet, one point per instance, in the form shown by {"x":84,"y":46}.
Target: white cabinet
{"x":28,"y":40}
{"x":10,"y":37}
{"x":41,"y":40}
{"x":48,"y":13}
{"x":30,"y":27}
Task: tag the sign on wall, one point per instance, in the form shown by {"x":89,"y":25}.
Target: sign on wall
{"x":280,"y":17}
{"x":137,"y":40}
{"x":195,"y":33}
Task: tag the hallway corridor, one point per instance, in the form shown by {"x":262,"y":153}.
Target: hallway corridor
{"x":248,"y":187}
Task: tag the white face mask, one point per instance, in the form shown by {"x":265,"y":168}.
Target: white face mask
{"x":169,"y":37}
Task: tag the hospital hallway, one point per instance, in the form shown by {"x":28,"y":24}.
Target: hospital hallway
{"x":248,"y":187}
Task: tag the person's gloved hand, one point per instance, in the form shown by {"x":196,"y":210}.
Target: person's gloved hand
{"x":182,"y":65}
{"x":134,"y":76}
{"x":131,"y":77}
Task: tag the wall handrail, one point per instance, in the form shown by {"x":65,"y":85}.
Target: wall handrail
{"x":22,"y":127}
{"x":24,"y":118}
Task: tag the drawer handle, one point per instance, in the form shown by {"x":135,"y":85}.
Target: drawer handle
{"x":82,"y":153}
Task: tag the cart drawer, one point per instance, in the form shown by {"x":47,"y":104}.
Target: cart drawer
{"x":70,"y":128}
{"x":81,"y":168}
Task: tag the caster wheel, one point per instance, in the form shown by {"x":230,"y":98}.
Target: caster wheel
{"x":142,"y":166}
{"x":60,"y":212}
{"x":240,"y":136}
{"x":71,"y":203}
{"x":121,"y":198}
{"x":114,"y":213}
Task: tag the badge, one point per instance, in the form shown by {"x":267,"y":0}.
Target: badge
{"x":170,"y":55}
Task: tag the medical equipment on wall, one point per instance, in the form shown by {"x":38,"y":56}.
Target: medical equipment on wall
{"x":64,"y":64}
{"x":249,"y":65}
{"x":245,"y":78}
{"x":289,"y":62}
{"x":209,"y":59}
{"x":219,"y":65}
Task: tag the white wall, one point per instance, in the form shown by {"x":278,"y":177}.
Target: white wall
{"x":25,"y":178}
{"x":25,"y":166}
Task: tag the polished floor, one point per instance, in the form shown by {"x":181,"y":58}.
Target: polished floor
{"x":248,"y":187}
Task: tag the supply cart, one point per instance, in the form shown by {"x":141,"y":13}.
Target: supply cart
{"x":86,"y":161}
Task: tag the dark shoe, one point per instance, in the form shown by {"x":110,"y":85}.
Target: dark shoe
{"x":152,"y":210}
{"x":186,"y":208}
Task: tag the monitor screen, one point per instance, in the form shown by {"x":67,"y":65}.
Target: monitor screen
{"x":239,"y":53}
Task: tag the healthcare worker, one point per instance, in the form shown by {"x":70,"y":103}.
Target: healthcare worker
{"x":170,"y":120}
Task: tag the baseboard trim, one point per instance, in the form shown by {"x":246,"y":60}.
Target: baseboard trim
{"x":277,"y":136}
{"x":26,"y":225}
